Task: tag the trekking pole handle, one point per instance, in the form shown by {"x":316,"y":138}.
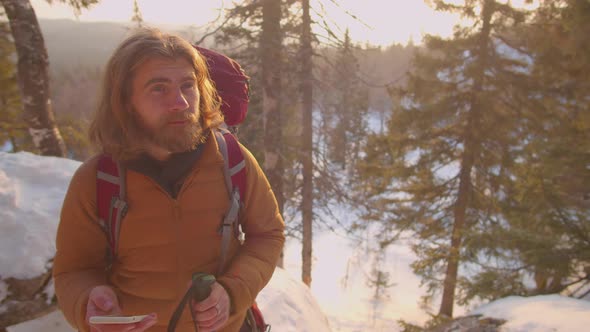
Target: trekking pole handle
{"x":201,"y":286}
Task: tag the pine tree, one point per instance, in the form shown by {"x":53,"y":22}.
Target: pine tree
{"x":548,"y":202}
{"x":380,"y":282}
{"x":303,"y":195}
{"x":346,"y":110}
{"x":306,"y":80}
{"x":271,"y":50}
{"x":436,"y":171}
{"x":340,"y":133}
{"x":558,"y":40}
{"x":137,"y":18}
{"x":254,"y":34}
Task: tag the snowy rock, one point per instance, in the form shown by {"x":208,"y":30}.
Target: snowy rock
{"x":539,"y":313}
{"x":288,"y":305}
{"x":32,"y":189}
{"x":475,"y":323}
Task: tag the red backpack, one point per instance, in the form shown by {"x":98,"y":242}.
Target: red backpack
{"x":232,"y":86}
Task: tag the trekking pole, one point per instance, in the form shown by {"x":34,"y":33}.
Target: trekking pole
{"x":199,"y":290}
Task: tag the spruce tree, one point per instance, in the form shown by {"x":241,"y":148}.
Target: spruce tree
{"x":306,"y":156}
{"x":298,"y":151}
{"x":345,"y":109}
{"x":437,"y":169}
{"x":548,"y":197}
{"x":137,"y":17}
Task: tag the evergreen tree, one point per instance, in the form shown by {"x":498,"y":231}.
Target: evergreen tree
{"x":137,"y":18}
{"x":271,"y":50}
{"x":306,"y":80}
{"x":558,"y":41}
{"x":309,"y":181}
{"x":380,"y":282}
{"x":548,"y":200}
{"x":345,"y":108}
{"x":340,"y":133}
{"x":255,"y":33}
{"x":437,"y":169}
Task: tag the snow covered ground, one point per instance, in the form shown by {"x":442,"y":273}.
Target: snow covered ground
{"x":540,"y":313}
{"x":31,"y":191}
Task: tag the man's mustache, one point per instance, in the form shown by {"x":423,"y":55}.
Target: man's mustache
{"x":182,"y":117}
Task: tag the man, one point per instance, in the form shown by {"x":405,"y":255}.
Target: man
{"x":155,"y":116}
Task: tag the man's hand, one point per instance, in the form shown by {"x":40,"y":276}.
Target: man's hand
{"x":102,"y":301}
{"x":213,"y":312}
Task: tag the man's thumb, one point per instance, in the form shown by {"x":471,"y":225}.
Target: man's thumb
{"x":104,"y":302}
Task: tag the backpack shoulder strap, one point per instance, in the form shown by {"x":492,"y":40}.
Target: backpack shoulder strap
{"x":110,"y":199}
{"x":234,"y":170}
{"x":235,"y":165}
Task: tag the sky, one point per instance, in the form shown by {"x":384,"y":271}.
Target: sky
{"x":380,"y":22}
{"x":32,"y":189}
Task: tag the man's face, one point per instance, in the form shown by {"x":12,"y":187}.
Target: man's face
{"x":165,"y":101}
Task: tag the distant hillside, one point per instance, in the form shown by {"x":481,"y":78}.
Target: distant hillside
{"x":76,"y":44}
{"x":80,"y":44}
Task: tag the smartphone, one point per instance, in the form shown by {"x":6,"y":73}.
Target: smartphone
{"x":116,"y":319}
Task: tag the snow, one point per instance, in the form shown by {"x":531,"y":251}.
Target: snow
{"x":289,"y":306}
{"x":346,"y":298}
{"x":32,"y":190}
{"x":540,"y":313}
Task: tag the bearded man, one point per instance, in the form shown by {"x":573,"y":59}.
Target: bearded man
{"x":156,"y":117}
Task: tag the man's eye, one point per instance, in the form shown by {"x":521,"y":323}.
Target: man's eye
{"x":158,"y":88}
{"x":188,"y":85}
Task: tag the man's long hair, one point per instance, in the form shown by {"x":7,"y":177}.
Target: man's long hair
{"x":112,"y":128}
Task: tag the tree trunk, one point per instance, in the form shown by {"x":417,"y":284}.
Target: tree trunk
{"x":33,"y":77}
{"x":471,"y":146}
{"x":13,"y":143}
{"x":271,"y":58}
{"x":450,"y":283}
{"x":307,"y":148}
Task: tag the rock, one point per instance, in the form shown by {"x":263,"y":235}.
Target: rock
{"x":475,"y":323}
{"x":26,"y":300}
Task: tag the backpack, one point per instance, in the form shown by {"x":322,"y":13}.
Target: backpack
{"x":232,"y":88}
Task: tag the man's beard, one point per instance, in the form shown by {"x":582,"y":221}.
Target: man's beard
{"x":174,"y":138}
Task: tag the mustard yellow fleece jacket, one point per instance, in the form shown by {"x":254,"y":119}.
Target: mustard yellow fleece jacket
{"x":164,"y":240}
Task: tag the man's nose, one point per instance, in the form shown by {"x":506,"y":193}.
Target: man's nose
{"x":178,"y":101}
